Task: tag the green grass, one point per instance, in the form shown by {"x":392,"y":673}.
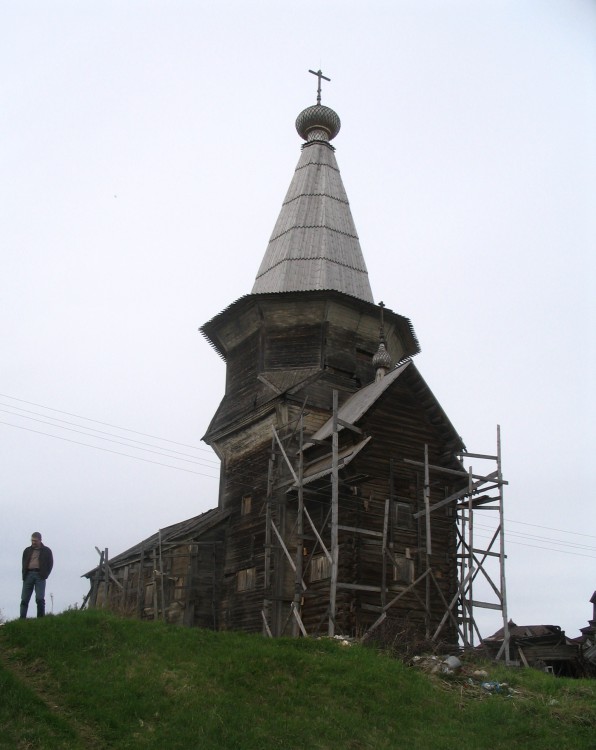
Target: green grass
{"x":91,"y":680}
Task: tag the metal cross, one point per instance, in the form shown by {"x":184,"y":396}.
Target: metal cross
{"x":382,"y":329}
{"x":319,"y":75}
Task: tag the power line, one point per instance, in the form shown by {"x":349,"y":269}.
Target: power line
{"x":108,"y":450}
{"x":185,"y":445}
{"x":99,"y":437}
{"x":536,"y":538}
{"x":106,"y":424}
{"x":548,"y":549}
{"x":89,"y":429}
{"x":550,"y":528}
{"x":210,"y":476}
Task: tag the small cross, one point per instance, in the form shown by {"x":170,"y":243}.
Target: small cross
{"x":382,"y":330}
{"x":319,"y":75}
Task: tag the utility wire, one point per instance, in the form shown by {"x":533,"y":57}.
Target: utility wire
{"x":185,"y":445}
{"x":211,"y":476}
{"x":106,"y":424}
{"x":107,"y":450}
{"x":98,"y":437}
{"x":549,"y":549}
{"x":550,"y":528}
{"x":536,"y":538}
{"x":89,"y":429}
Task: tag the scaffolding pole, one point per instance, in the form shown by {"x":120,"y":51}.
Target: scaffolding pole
{"x":429,"y":547}
{"x":507,"y":655}
{"x":334,"y":521}
{"x":481,"y":490}
{"x":299,"y":585}
{"x":473,"y":561}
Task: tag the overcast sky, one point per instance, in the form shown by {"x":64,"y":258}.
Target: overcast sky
{"x":146,"y":149}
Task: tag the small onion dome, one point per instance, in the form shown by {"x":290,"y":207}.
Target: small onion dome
{"x":382,"y":358}
{"x":318,"y":123}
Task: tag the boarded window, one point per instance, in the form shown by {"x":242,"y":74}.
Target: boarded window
{"x":402,"y":515}
{"x":300,"y":348}
{"x":320,"y":568}
{"x":246,"y":579}
{"x":403,"y":569}
{"x":246,"y":506}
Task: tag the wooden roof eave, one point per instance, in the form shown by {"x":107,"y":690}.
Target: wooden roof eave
{"x":237,"y":423}
{"x":179,"y":533}
{"x":323,"y":466}
{"x":209,"y":330}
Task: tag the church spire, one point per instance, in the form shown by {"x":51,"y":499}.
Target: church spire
{"x":381,"y":361}
{"x":314,"y":244}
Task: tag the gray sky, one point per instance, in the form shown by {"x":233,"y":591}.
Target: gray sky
{"x":146,"y":149}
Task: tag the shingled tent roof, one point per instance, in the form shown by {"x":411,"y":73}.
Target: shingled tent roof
{"x":314,"y":245}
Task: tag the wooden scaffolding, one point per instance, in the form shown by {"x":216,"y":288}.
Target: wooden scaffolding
{"x":288,"y":524}
{"x":484,"y":493}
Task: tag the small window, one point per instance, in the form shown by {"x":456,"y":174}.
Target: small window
{"x":320,"y":568}
{"x":246,"y":505}
{"x":402,"y":515}
{"x":246,"y":579}
{"x":403,"y":570}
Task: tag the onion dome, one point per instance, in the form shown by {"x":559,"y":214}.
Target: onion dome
{"x":318,"y":123}
{"x":382,"y":359}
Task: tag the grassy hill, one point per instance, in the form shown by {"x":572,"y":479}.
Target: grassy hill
{"x":86,"y":680}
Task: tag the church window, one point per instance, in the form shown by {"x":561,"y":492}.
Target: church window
{"x":402,"y":515}
{"x":246,"y":579}
{"x":403,"y":568}
{"x":303,"y":350}
{"x":320,"y":568}
{"x":246,"y":505}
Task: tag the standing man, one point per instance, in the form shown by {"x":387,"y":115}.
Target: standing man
{"x":37,"y":566}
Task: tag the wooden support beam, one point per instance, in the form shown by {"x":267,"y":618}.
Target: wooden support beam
{"x":359,"y":587}
{"x":285,"y":549}
{"x":96,"y":579}
{"x":266,"y":625}
{"x":451,"y":615}
{"x":116,"y":581}
{"x":464,"y":454}
{"x":359,"y":530}
{"x":318,"y":536}
{"x":106,"y":576}
{"x":85,"y":598}
{"x":522,"y":656}
{"x":287,"y":460}
{"x":486,"y":605}
{"x":349,"y":426}
{"x":384,"y":547}
{"x":485,"y":553}
{"x":296,"y":614}
{"x":298,"y":590}
{"x":375,"y":625}
{"x":407,"y":589}
{"x":391,"y":556}
{"x":334,"y":520}
{"x":456,"y":472}
{"x":311,"y":440}
{"x":456,"y":495}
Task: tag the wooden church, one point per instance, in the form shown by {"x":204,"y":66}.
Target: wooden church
{"x":325,"y":435}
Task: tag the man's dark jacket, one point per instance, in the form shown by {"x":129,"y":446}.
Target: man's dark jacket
{"x":46,"y":561}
